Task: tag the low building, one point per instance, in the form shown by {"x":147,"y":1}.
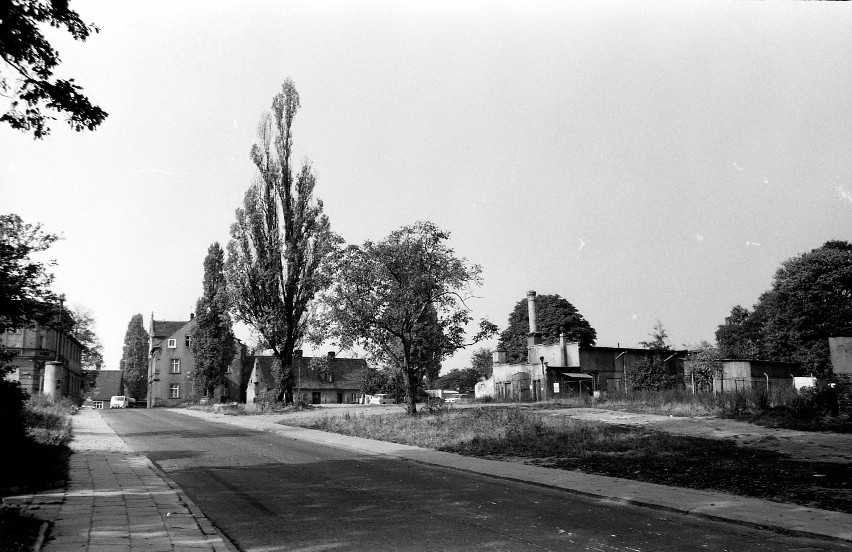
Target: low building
{"x":108,"y":383}
{"x":46,"y":361}
{"x":171,"y":362}
{"x":739,"y":375}
{"x":563,"y":369}
{"x":320,"y":380}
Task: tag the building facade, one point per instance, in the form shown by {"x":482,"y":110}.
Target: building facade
{"x":319,"y":380}
{"x":46,"y":361}
{"x":171,"y":362}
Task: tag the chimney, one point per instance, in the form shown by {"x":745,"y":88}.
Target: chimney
{"x":499,"y":356}
{"x":191,"y":315}
{"x":563,"y":352}
{"x":533,"y":338}
{"x":531,"y":307}
{"x":331,"y":355}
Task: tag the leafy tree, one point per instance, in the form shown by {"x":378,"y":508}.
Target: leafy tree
{"x":650,"y":372}
{"x":29,"y":64}
{"x":83,"y":330}
{"x":659,"y":338}
{"x":134,"y":360}
{"x":25,"y":298}
{"x":555,"y":315}
{"x":810,"y":300}
{"x":383,"y":289}
{"x":461,"y":380}
{"x":375,"y":381}
{"x":213,"y":337}
{"x":741,"y":334}
{"x":482,"y":362}
{"x":703,"y":364}
{"x":281,"y":241}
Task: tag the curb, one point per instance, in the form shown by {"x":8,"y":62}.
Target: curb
{"x":206,"y":526}
{"x":375,"y":447}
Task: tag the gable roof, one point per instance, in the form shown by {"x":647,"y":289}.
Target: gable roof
{"x":347,"y":373}
{"x":164,"y":328}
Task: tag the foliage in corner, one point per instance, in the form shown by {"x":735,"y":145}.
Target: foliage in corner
{"x":30,"y":61}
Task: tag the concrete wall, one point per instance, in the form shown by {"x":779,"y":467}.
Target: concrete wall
{"x":841,"y":354}
{"x":737,"y":375}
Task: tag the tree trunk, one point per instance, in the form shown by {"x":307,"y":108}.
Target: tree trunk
{"x":410,"y":392}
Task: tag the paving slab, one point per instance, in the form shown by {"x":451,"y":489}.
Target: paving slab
{"x":117,"y":500}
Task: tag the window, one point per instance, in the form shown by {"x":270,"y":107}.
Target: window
{"x":172,"y":343}
{"x":174,"y":391}
{"x":188,"y":341}
{"x":175,"y":366}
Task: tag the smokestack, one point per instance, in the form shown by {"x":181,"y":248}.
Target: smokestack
{"x":531,"y":307}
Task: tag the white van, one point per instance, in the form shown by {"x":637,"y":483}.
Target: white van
{"x":118,"y":401}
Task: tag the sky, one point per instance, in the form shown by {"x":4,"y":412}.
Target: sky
{"x":646,"y":161}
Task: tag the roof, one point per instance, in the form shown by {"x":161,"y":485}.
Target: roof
{"x":347,"y":373}
{"x":164,"y":328}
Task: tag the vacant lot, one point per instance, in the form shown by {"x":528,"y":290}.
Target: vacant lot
{"x":511,"y":433}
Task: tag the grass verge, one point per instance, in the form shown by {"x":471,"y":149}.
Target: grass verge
{"x":514,"y":434}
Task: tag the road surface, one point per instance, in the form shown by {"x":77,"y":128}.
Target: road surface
{"x":267,"y":492}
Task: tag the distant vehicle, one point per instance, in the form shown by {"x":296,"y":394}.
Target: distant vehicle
{"x":119,"y":401}
{"x":382,"y":398}
{"x":456,"y":398}
{"x":131,"y":403}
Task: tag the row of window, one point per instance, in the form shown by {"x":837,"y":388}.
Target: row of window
{"x":172,"y":343}
{"x":175,"y":367}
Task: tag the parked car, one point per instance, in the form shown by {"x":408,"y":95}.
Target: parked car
{"x":119,"y":401}
{"x":382,"y":398}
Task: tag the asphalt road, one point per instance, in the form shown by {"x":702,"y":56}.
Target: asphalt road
{"x":268,"y":493}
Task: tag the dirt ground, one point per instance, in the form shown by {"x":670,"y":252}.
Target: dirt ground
{"x":799,"y":445}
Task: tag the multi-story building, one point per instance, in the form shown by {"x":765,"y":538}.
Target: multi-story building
{"x":171,"y":362}
{"x":46,"y":361}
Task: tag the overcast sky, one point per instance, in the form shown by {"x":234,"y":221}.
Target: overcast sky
{"x":643,"y":160}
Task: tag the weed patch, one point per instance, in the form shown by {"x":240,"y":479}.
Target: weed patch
{"x":515,"y":433}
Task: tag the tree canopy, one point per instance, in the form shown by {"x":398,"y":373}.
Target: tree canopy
{"x":30,"y":60}
{"x":281,"y":241}
{"x":382,"y":291}
{"x":659,"y":338}
{"x":555,"y":315}
{"x":134,"y":359}
{"x":810,"y":300}
{"x":213,"y":337}
{"x":83,"y":330}
{"x":25,"y":295}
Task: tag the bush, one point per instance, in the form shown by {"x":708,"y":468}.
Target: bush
{"x":12,"y":417}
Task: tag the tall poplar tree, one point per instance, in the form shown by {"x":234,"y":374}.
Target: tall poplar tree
{"x":134,"y":360}
{"x":213,"y":337}
{"x":281,"y":241}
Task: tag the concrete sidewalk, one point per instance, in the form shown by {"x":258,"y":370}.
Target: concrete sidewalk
{"x":785,"y":518}
{"x":117,"y":501}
